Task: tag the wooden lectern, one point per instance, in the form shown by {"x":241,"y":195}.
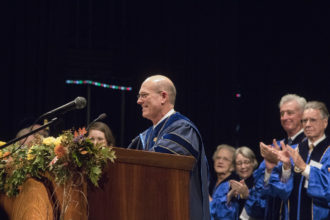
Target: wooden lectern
{"x":44,"y":200}
{"x":142,"y":185}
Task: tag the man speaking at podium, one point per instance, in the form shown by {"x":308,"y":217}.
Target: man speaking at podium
{"x":173,"y":133}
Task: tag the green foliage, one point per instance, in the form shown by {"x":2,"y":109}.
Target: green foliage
{"x":94,"y":174}
{"x":62,"y":157}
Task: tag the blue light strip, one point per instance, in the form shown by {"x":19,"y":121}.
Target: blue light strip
{"x":104,"y":85}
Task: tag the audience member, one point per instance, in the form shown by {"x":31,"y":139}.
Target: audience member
{"x":248,"y":189}
{"x":220,"y":207}
{"x":291,"y":111}
{"x":100,"y":133}
{"x":311,"y":160}
{"x":29,"y":139}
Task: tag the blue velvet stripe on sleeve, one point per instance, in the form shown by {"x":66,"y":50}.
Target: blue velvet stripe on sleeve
{"x":162,"y":149}
{"x":181,"y":142}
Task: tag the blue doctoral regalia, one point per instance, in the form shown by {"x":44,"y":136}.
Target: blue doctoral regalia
{"x":277,"y":190}
{"x":219,"y":208}
{"x":319,"y":181}
{"x":312,"y":202}
{"x":318,"y":187}
{"x":176,"y":134}
{"x":255,"y":205}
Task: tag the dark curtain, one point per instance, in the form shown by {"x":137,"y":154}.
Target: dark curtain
{"x":231,"y":62}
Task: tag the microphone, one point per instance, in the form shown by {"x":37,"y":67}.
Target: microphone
{"x":77,"y":103}
{"x":99,"y":118}
{"x":28,"y":134}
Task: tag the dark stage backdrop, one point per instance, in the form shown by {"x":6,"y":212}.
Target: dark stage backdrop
{"x":213,"y":51}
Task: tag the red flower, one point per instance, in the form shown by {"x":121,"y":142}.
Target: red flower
{"x":80,"y":132}
{"x":60,"y":151}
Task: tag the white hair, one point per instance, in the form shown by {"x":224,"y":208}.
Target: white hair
{"x":301,"y":101}
{"x":319,"y":106}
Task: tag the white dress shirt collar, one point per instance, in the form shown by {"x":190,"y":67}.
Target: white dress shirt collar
{"x":316,"y":142}
{"x":294,"y":136}
{"x":165,"y":116}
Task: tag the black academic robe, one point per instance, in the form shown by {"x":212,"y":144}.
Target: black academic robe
{"x":300,"y":203}
{"x":275,"y":206}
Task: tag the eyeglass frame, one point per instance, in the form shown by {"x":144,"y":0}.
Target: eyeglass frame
{"x":311,"y":120}
{"x":145,"y":95}
{"x":223,"y":159}
{"x":246,"y":162}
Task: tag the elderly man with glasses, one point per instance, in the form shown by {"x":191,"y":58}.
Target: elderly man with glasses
{"x":309,"y":196}
{"x":311,"y":161}
{"x":173,"y":133}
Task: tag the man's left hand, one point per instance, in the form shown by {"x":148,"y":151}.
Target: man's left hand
{"x":267,"y":152}
{"x":297,"y":160}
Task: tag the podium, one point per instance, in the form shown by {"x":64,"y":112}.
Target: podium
{"x":142,"y":185}
{"x":45,"y":200}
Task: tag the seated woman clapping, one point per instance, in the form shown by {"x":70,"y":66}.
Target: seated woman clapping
{"x":247,"y":191}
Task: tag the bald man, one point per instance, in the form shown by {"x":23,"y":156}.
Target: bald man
{"x":173,"y":133}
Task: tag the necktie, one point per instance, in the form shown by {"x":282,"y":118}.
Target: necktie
{"x":289,"y":141}
{"x":311,"y":147}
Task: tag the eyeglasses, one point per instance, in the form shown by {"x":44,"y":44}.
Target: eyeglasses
{"x":240,"y":163}
{"x":145,"y":95}
{"x":224,"y":159}
{"x":311,"y":120}
{"x":142,"y":95}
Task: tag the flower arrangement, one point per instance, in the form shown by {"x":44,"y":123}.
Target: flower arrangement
{"x":62,"y":157}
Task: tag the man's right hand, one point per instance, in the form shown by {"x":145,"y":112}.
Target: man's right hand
{"x":284,"y":156}
{"x":268,"y":153}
